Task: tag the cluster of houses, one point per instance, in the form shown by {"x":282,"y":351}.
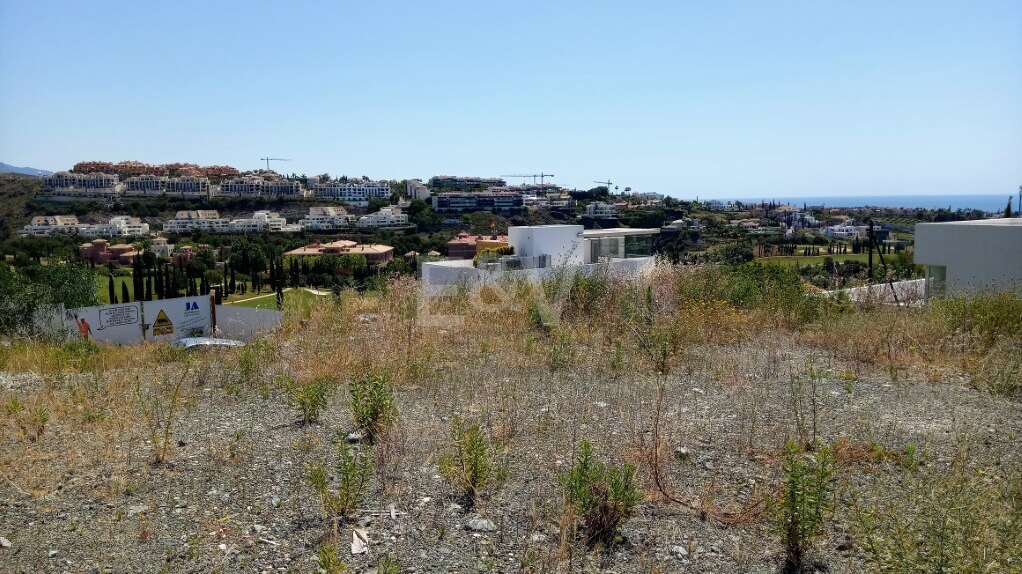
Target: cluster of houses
{"x":320,"y":218}
{"x":72,"y":185}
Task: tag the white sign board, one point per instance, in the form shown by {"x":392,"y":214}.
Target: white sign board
{"x":173,"y":319}
{"x":118,"y":324}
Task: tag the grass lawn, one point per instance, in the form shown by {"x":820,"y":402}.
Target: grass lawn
{"x":816,"y":259}
{"x":293,"y":298}
{"x":102,"y":281}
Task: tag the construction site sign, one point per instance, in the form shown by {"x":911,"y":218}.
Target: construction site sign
{"x":163,"y":325}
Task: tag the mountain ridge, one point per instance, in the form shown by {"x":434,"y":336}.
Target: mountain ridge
{"x":8,"y":168}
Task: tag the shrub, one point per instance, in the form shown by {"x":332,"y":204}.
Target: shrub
{"x":353,"y":471}
{"x":470,"y":462}
{"x":944,"y":520}
{"x":310,"y":398}
{"x":603,"y":496}
{"x":328,"y":560}
{"x":372,"y":404}
{"x":799,"y":510}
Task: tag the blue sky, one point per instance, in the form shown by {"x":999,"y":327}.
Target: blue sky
{"x":708,"y":98}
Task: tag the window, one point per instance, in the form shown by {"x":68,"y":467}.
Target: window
{"x":937,"y":275}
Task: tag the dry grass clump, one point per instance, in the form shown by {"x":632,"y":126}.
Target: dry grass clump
{"x":694,"y":378}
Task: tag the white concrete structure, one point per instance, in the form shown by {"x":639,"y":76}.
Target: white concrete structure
{"x":72,"y":185}
{"x":415,"y":189}
{"x":327,"y":218}
{"x":262,"y":221}
{"x":243,"y":186}
{"x":351,"y":192}
{"x":385,"y":217}
{"x":283,"y":188}
{"x":971,"y":256}
{"x":43,"y":225}
{"x":600,"y":209}
{"x":201,"y":220}
{"x":542,"y":251}
{"x":188,"y":186}
{"x":161,"y":248}
{"x":118,"y":226}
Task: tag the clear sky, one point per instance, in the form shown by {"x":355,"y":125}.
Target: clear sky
{"x":708,"y":98}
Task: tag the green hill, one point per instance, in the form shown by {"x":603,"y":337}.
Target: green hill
{"x":16,"y":192}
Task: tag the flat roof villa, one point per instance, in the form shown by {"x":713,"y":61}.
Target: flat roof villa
{"x":971,"y":256}
{"x":542,"y":250}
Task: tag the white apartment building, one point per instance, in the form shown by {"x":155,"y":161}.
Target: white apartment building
{"x":415,"y":189}
{"x":385,"y":217}
{"x":599,"y":209}
{"x":188,"y":186}
{"x":243,"y":186}
{"x":79,"y":184}
{"x":119,"y":226}
{"x":849,"y":231}
{"x":43,"y":225}
{"x":146,"y":185}
{"x":262,"y":221}
{"x":354,"y":193}
{"x":327,"y":218}
{"x":283,"y":188}
{"x":201,"y":220}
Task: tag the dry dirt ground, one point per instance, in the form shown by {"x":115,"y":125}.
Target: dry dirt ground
{"x":84,"y":496}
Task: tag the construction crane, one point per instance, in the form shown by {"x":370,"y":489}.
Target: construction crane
{"x":540,"y":175}
{"x":269,"y":159}
{"x":607,"y":183}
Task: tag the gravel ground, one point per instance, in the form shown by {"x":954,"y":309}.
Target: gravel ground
{"x":234,"y":497}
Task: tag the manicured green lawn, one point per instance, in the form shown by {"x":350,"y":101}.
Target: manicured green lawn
{"x":816,"y":260}
{"x":292,"y":297}
{"x":102,"y":288}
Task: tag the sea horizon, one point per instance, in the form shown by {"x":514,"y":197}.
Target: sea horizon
{"x":992,"y":203}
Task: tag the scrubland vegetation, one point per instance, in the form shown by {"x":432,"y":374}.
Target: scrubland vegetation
{"x":722,"y":419}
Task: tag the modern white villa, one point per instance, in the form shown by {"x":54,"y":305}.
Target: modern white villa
{"x":540,"y":251}
{"x":971,"y":256}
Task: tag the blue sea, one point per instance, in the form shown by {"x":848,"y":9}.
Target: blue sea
{"x":991,"y":203}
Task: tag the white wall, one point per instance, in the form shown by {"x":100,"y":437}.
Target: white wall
{"x":563,"y":243}
{"x":978,"y":255}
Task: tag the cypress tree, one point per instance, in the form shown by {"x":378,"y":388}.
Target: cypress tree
{"x":125,"y":296}
{"x":158,"y":286}
{"x":111,"y":294}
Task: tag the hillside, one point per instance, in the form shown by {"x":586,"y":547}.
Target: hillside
{"x":16,"y":192}
{"x":8,"y":168}
{"x":719,"y":397}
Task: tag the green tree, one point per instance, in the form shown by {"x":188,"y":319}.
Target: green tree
{"x":111,"y":293}
{"x":125,"y":295}
{"x":1007,"y":209}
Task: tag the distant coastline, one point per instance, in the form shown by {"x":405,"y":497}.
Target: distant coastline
{"x":988,"y":202}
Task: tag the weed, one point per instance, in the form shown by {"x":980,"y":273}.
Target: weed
{"x":328,"y":560}
{"x":372,"y":404}
{"x":799,"y":510}
{"x":603,"y":496}
{"x":470,"y":462}
{"x":387,"y":564}
{"x":949,"y":520}
{"x":353,"y":472}
{"x":160,"y":413}
{"x":310,"y":398}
